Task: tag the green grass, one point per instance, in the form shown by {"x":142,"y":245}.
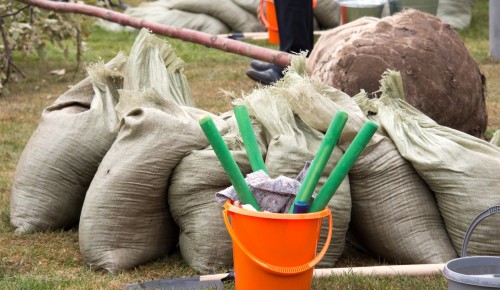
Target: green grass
{"x":51,"y":260}
{"x":476,"y":37}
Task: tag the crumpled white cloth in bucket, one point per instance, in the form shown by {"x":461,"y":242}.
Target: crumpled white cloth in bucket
{"x":274,"y":195}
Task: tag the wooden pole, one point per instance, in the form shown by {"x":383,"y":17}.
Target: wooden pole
{"x":209,"y":40}
{"x":386,"y":270}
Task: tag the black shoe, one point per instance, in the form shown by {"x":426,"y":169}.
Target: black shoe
{"x":267,"y":77}
{"x":260,"y":65}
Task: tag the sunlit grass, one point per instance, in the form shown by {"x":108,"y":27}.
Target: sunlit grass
{"x":51,"y":260}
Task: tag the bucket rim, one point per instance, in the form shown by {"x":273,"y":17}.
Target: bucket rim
{"x":458,"y":277}
{"x":282,"y":216}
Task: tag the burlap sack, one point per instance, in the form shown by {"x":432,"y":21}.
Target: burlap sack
{"x":125,"y":219}
{"x":393,"y":211}
{"x":457,"y":13}
{"x":235,"y":17}
{"x":153,"y":64}
{"x":462,"y":171}
{"x":62,"y":156}
{"x":291,"y":143}
{"x":159,"y":12}
{"x":204,"y":242}
{"x":250,"y":6}
{"x":327,"y":13}
{"x":496,"y":138}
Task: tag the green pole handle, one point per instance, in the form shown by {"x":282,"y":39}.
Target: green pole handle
{"x":249,"y":140}
{"x":228,"y":163}
{"x":345,"y":164}
{"x":318,"y":164}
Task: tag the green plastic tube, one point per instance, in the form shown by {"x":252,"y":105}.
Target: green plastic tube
{"x":318,"y":164}
{"x":345,"y":164}
{"x":249,"y":140}
{"x":228,"y":163}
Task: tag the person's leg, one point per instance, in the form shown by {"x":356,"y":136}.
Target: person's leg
{"x":295,"y":27}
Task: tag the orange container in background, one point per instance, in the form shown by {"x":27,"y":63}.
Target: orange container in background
{"x":275,"y":250}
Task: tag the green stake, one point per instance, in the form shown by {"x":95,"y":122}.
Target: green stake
{"x":318,"y":164}
{"x":249,"y":140}
{"x":227,"y":161}
{"x":345,"y":164}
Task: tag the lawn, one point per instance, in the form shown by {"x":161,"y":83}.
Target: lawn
{"x":51,"y":260}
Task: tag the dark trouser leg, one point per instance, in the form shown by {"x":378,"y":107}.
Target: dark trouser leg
{"x":295,"y":25}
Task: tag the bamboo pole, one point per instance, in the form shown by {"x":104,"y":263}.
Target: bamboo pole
{"x":385,"y":270}
{"x":209,"y":40}
{"x":390,"y":270}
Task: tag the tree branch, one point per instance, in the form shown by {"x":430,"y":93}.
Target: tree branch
{"x":14,"y":13}
{"x":209,"y":40}
{"x":7,"y":57}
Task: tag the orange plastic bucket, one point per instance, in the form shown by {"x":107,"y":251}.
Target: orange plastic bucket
{"x":274,"y":250}
{"x":270,"y":21}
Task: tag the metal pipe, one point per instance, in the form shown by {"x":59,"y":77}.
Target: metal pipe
{"x":494,"y":22}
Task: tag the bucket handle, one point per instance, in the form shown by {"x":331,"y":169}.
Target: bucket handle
{"x":262,"y":16}
{"x":280,"y":269}
{"x":492,"y":210}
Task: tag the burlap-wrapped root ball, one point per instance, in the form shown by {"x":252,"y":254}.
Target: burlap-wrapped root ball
{"x":440,"y":77}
